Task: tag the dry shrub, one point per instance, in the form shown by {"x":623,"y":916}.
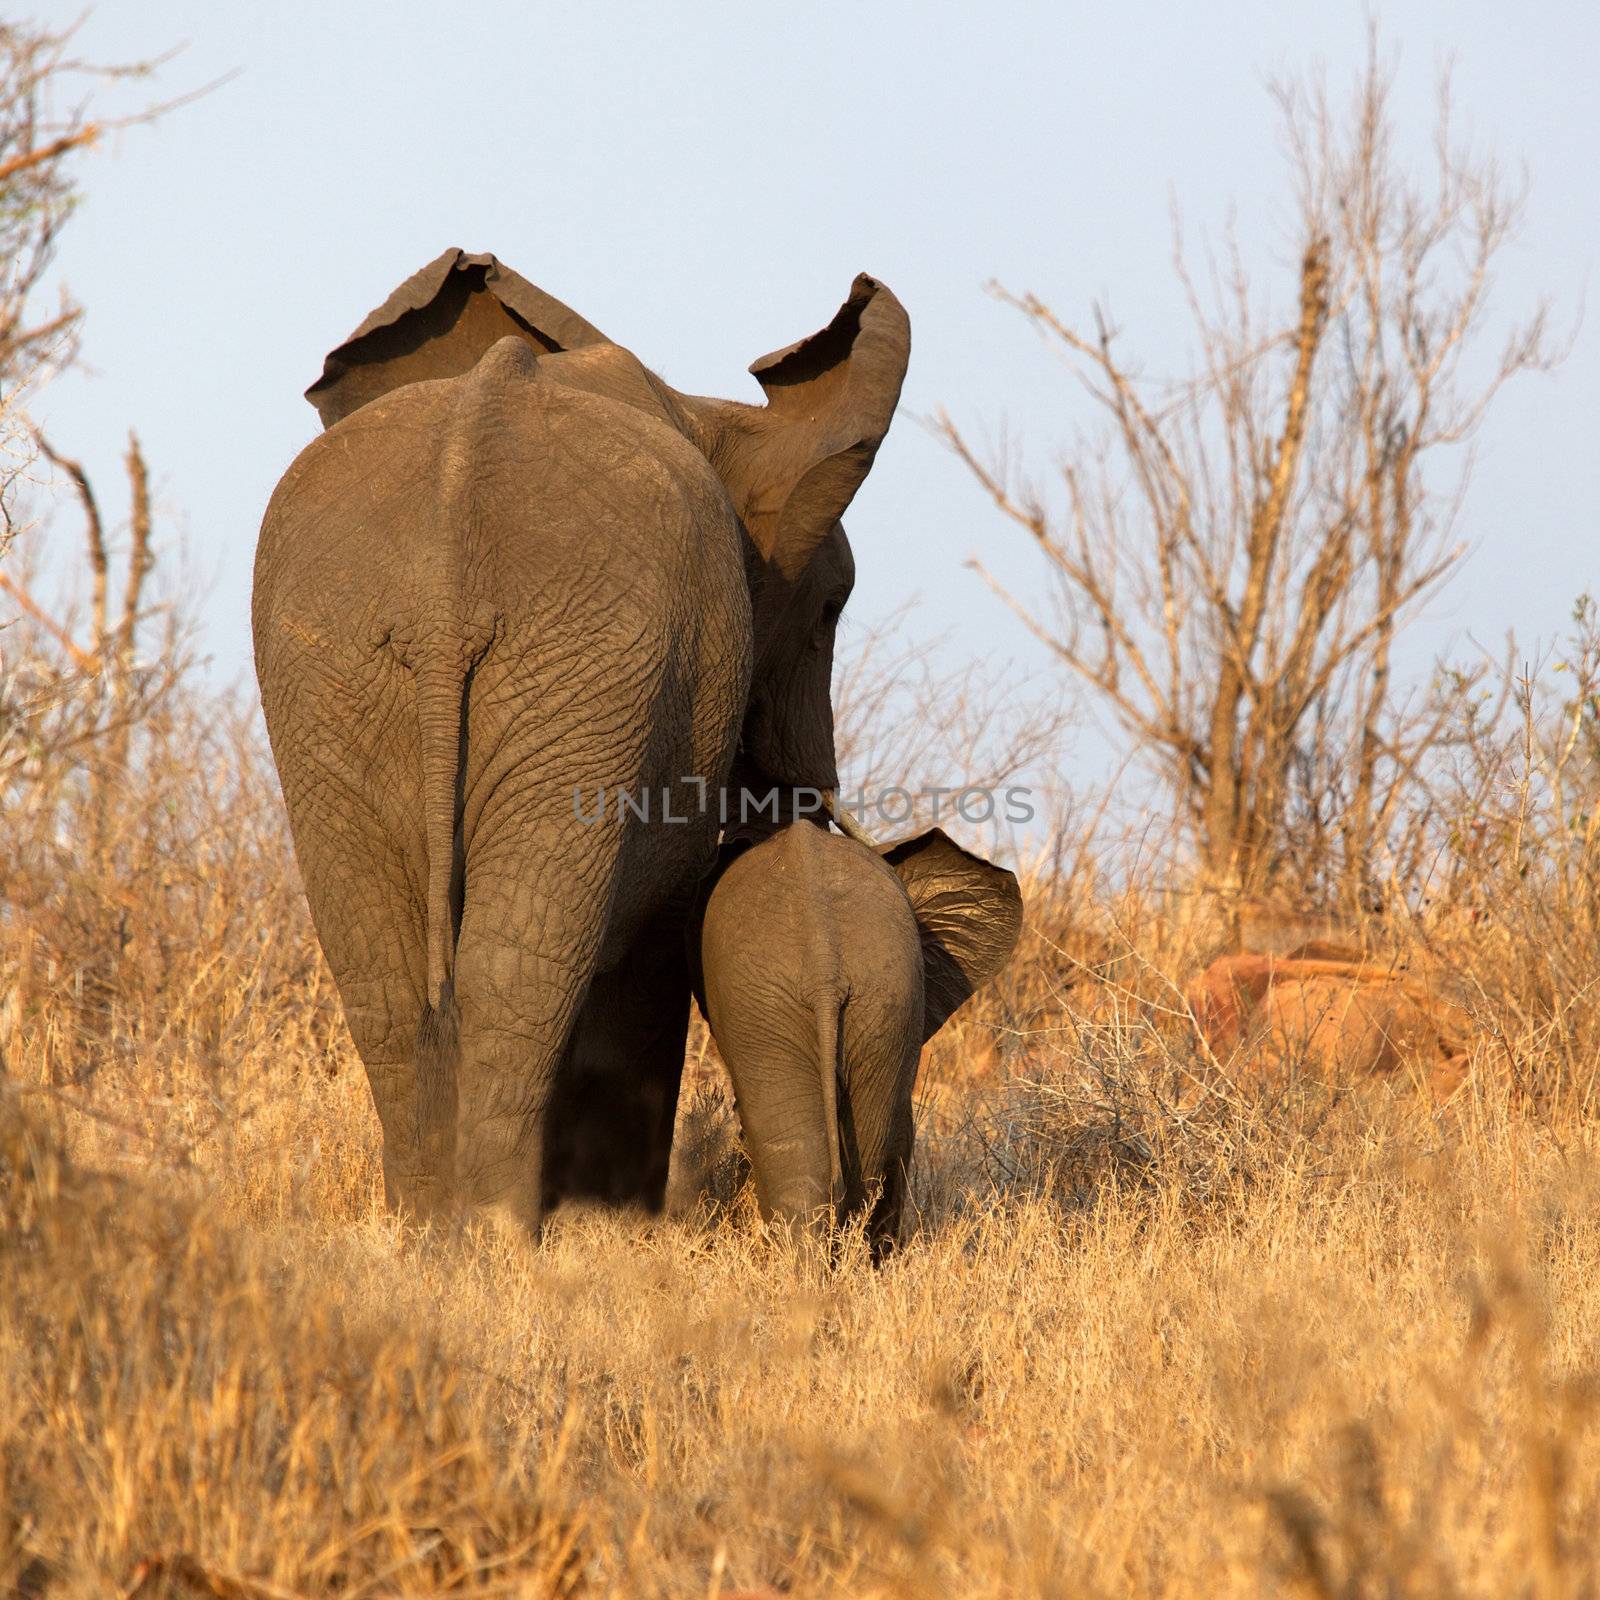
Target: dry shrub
{"x":1511,"y":908}
{"x":164,"y":974}
{"x":177,"y":1390}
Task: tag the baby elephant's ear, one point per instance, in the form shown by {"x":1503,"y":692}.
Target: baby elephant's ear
{"x":969,"y":913}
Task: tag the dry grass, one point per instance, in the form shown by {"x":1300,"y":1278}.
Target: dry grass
{"x":1156,"y":1329}
{"x":1163,"y":1324}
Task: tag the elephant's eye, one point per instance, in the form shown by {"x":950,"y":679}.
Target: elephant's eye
{"x":827,"y":621}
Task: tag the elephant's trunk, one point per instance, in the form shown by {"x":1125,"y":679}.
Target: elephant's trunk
{"x":844,"y":822}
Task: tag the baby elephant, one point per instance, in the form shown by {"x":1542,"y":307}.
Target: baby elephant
{"x":824,"y":966}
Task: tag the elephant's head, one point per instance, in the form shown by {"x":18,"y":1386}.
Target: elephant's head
{"x":790,"y":467}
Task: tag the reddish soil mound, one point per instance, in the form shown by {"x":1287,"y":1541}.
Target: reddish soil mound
{"x":1333,"y":1013}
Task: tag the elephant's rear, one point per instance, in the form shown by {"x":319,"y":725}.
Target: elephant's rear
{"x":813,"y":980}
{"x":470,"y":605}
{"x":880,"y":953}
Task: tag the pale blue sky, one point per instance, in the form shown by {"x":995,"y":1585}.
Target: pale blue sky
{"x":702,"y":180}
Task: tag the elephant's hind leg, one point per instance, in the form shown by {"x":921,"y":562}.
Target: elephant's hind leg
{"x":616,"y":1095}
{"x":533,"y":917}
{"x":367,"y":911}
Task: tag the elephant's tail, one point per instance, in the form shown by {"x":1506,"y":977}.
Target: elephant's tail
{"x":830,"y":1042}
{"x":442,"y":720}
{"x":441,"y":690}
{"x":438,"y":1046}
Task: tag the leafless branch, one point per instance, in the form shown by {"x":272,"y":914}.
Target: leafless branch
{"x":1234,"y":557}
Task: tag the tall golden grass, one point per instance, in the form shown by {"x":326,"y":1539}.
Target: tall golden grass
{"x":1163,"y":1324}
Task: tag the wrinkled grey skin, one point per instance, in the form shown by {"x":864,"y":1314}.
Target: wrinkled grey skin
{"x":516,"y":565}
{"x":823,"y":968}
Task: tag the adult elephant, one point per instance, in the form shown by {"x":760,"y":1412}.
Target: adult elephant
{"x":517,"y":569}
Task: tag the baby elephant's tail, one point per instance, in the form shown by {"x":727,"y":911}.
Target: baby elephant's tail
{"x":830,"y":1065}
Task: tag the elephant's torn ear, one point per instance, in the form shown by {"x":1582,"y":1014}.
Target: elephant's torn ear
{"x":437,"y":324}
{"x":969,"y":913}
{"x":830,"y":399}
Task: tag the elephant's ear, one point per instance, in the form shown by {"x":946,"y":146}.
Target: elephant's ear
{"x":437,"y":324}
{"x":969,"y":913}
{"x":830,"y":399}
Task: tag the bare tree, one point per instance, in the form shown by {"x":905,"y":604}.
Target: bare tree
{"x":69,"y":693}
{"x":1232,"y":559}
{"x":37,"y":190}
{"x":44,"y":124}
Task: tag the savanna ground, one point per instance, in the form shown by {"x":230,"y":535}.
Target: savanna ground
{"x":1163,"y":1324}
